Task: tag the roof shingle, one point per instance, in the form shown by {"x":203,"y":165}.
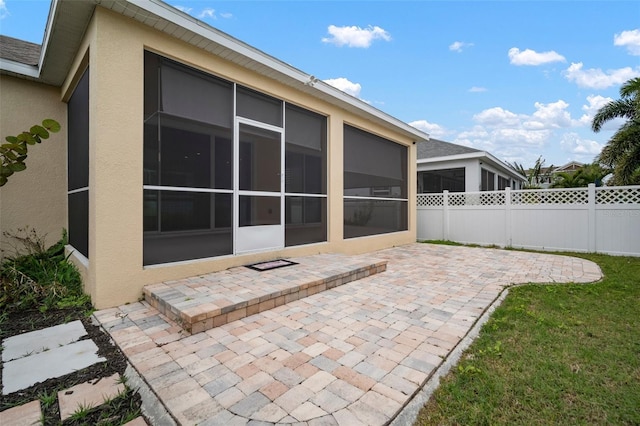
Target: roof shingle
{"x":19,"y":50}
{"x":437,"y":148}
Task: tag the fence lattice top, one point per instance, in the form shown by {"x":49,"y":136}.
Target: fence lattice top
{"x":551,"y":196}
{"x":493,"y":198}
{"x":428,"y":200}
{"x":618,"y":195}
{"x":603,"y":195}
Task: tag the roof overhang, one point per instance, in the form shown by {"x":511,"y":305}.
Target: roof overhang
{"x":69,"y":19}
{"x":480,"y":156}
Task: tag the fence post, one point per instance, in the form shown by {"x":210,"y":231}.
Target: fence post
{"x":591,"y":215}
{"x":507,"y":215}
{"x":445,"y":215}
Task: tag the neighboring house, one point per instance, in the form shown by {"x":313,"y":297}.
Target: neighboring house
{"x":548,"y":174}
{"x":185,"y":151}
{"x":570,"y":167}
{"x":456,"y":168}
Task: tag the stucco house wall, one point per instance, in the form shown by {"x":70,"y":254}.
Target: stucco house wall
{"x":113,"y":48}
{"x":36,"y":197}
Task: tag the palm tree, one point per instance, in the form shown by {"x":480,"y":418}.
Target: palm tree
{"x":626,"y":107}
{"x":622,"y":152}
{"x":590,"y":173}
{"x":536,"y":175}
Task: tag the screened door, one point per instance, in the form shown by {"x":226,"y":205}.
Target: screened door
{"x":259,"y":223}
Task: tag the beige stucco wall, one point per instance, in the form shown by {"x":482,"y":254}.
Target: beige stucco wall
{"x":35,"y":197}
{"x":115,"y":273}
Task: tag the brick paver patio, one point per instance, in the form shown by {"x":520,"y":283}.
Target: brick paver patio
{"x":351,"y":355}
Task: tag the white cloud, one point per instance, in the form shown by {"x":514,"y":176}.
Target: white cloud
{"x":476,"y":89}
{"x":457,"y":46}
{"x":180,"y":8}
{"x":595,"y":102}
{"x":629,"y":39}
{"x":551,"y":115}
{"x":4,"y":12}
{"x":478,"y":137}
{"x":497,"y":116}
{"x":226,"y":15}
{"x":531,"y":57}
{"x":355,"y":36}
{"x":595,"y":78}
{"x":584,"y":149}
{"x":207,"y":13}
{"x":434,"y":130}
{"x":521,"y":137}
{"x":345,"y":85}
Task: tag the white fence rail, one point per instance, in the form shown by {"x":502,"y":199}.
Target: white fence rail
{"x":602,"y":220}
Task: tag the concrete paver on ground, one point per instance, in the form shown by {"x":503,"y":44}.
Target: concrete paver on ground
{"x":89,"y":394}
{"x":25,"y":372}
{"x":354,"y":354}
{"x":23,"y":415}
{"x":41,"y":340}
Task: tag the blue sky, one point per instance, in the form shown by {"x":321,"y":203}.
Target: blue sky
{"x":518,"y":79}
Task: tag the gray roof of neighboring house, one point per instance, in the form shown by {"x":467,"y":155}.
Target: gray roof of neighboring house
{"x":436,"y":148}
{"x":19,"y":50}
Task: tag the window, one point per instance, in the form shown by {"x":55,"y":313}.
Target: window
{"x":189,"y":165}
{"x":78,"y":166}
{"x":305,"y":177}
{"x":488,"y":180}
{"x":503,"y":183}
{"x":436,"y":181}
{"x":188,"y":178}
{"x":375,"y":184}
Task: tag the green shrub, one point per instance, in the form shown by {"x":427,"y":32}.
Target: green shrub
{"x":35,"y":277}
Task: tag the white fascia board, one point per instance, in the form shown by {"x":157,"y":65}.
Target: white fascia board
{"x":190,"y":23}
{"x":501,"y":164}
{"x":467,"y":156}
{"x":482,"y":155}
{"x":19,"y":68}
{"x":47,"y":32}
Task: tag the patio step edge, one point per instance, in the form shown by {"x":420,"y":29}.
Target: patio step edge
{"x":202,"y":321}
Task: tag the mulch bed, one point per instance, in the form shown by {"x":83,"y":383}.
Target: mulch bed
{"x":25,"y":321}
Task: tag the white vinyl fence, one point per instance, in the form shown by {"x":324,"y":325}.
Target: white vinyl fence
{"x":602,"y":220}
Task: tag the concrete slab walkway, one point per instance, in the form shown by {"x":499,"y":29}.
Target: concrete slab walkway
{"x":352,"y":355}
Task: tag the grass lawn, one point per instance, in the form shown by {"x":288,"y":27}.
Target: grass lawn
{"x":552,"y":354}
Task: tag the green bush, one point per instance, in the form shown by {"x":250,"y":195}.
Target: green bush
{"x":14,"y":153}
{"x":35,"y":277}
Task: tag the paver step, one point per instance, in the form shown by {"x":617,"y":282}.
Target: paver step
{"x":211,"y":300}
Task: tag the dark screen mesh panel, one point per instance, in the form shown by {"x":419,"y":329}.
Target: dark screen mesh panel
{"x":151,"y":153}
{"x":436,"y":181}
{"x":373,"y":166}
{"x":305,"y":220}
{"x":258,"y":106}
{"x":487,"y":180}
{"x":259,"y":162}
{"x":186,"y":158}
{"x":79,"y":221}
{"x":151,"y":84}
{"x":257,"y":211}
{"x":305,"y":128}
{"x":503,"y":182}
{"x":78,"y":135}
{"x":191,"y":94}
{"x":372,"y":217}
{"x":193,"y":225}
{"x":150,"y":209}
{"x":305,"y":151}
{"x":184,"y":211}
